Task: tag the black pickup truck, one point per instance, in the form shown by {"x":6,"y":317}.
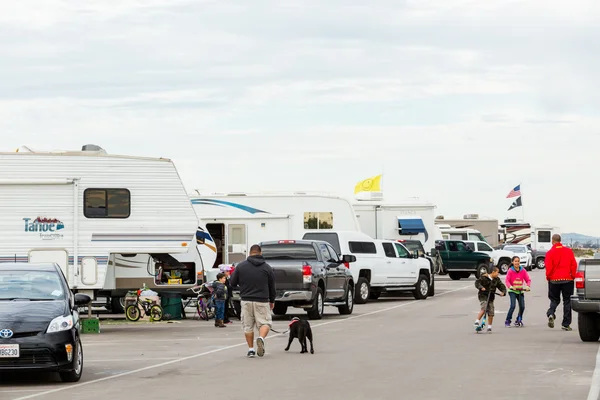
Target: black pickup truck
{"x":309,"y":274}
{"x":586,"y":299}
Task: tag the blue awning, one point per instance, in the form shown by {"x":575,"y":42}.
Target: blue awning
{"x":412,"y":226}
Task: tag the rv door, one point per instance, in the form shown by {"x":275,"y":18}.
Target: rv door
{"x":236,"y":243}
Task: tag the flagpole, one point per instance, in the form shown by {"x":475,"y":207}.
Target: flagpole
{"x":522,"y":206}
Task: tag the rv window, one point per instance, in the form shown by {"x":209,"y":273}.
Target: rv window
{"x":476,"y":237}
{"x":106,"y":203}
{"x":544,"y":237}
{"x":318,"y":220}
{"x":388,"y":248}
{"x":291,"y":251}
{"x":331,"y":238}
{"x":362,"y":247}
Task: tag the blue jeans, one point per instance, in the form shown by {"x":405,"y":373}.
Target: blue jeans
{"x":514,"y":297}
{"x":220,"y":306}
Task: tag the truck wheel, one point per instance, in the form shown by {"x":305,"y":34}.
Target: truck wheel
{"x":362,"y":291}
{"x":117,"y":305}
{"x":587,"y":324}
{"x":237,"y":306}
{"x":316,"y":312}
{"x":421,"y":288}
{"x":503,"y":266}
{"x":280,"y":309}
{"x":455,"y":276}
{"x":481,"y":269}
{"x":540,"y":263}
{"x":347,"y":308}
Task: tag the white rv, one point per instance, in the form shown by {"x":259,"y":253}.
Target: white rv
{"x":451,"y":233}
{"x":80,"y":209}
{"x":537,"y":238}
{"x":407,"y":220}
{"x":238,"y":220}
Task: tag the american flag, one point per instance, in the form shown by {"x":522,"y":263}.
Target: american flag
{"x":515,"y":192}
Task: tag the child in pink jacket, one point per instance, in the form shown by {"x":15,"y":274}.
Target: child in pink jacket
{"x":517,"y":282}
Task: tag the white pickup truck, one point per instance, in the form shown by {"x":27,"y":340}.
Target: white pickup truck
{"x":381,"y":265}
{"x":502,"y":258}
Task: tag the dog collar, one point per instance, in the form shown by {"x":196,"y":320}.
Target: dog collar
{"x":294,"y":321}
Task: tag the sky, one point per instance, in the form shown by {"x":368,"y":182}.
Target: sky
{"x":454,"y":101}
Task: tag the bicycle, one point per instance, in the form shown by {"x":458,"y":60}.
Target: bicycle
{"x":154,"y":311}
{"x":205,"y":302}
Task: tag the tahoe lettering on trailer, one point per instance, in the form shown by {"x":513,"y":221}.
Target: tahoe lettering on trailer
{"x":45,"y":226}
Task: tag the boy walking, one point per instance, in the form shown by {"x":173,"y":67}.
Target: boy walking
{"x":487,"y":285}
{"x":220,"y":297}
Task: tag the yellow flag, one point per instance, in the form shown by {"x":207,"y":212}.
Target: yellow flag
{"x":369,"y":185}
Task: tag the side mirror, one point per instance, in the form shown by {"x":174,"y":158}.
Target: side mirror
{"x":415,"y":254}
{"x":349,"y":258}
{"x":82,"y":299}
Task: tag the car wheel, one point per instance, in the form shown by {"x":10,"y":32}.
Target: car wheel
{"x":541,"y":263}
{"x":280,"y":309}
{"x":587,"y":324}
{"x":503,"y":266}
{"x":421,"y":288}
{"x":74,"y":375}
{"x":347,"y":308}
{"x":362,"y":291}
{"x":316,"y":312}
{"x":455,"y":276}
{"x":481,"y":270}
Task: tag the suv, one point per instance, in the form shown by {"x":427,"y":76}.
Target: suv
{"x":460,"y":261}
{"x":502,"y":258}
{"x":586,"y":300}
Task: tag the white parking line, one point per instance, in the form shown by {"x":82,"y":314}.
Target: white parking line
{"x":594,"y":393}
{"x":135,"y":371}
{"x":106,"y":342}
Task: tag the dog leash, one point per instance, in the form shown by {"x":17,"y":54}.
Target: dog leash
{"x":291,"y":323}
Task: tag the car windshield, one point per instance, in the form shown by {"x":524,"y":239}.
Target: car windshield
{"x":516,"y":249}
{"x":30,"y":285}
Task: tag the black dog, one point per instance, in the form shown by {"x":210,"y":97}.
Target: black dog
{"x":300,"y":328}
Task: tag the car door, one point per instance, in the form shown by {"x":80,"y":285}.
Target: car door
{"x":340,"y":275}
{"x":440,"y":247}
{"x":408,"y":265}
{"x":483,"y":247}
{"x":332,"y":274}
{"x":462,"y":257}
{"x":393,"y":268}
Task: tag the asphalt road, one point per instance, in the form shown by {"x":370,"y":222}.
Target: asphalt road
{"x":388,"y":348}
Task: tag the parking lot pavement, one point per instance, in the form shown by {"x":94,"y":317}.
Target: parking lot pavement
{"x":421,"y":349}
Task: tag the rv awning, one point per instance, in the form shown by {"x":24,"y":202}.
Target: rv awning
{"x":412,"y":226}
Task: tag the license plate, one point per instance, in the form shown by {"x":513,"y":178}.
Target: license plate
{"x":9,"y":350}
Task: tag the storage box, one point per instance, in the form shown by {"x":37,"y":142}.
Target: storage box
{"x":90,"y":325}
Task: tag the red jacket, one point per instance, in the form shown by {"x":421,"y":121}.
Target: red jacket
{"x":560,"y":263}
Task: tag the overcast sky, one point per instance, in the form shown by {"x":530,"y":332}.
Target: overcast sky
{"x":456,"y":101}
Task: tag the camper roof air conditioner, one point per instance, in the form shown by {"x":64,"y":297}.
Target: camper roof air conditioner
{"x":369,"y":196}
{"x":92,"y":147}
{"x":471,"y":216}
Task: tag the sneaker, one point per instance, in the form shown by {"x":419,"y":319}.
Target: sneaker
{"x":489,"y":329}
{"x":251,"y":353}
{"x":260,"y":346}
{"x":507,"y":323}
{"x":551,"y":321}
{"x":567,"y":328}
{"x":476,"y":323}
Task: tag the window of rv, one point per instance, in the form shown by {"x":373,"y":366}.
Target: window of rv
{"x":544,"y":237}
{"x":289,"y":251}
{"x":318,"y":220}
{"x":477,"y":237}
{"x":106,"y":203}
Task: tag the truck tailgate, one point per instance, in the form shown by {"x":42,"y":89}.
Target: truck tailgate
{"x":288,"y":274}
{"x":592,"y":278}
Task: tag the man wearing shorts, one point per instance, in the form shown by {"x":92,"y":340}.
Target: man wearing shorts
{"x":256,"y":281}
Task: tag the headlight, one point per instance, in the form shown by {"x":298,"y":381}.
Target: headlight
{"x":491,"y":260}
{"x":59,"y":324}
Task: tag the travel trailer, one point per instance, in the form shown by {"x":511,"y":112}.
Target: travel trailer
{"x":236,"y":221}
{"x":85,"y":209}
{"x":403,"y":220}
{"x":451,"y":233}
{"x":487,"y":227}
{"x":538,"y":238}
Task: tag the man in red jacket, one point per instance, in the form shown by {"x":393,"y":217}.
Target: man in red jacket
{"x":561,"y":268}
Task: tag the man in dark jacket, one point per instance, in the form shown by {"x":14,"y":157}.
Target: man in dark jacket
{"x":561,"y":268}
{"x":257,"y":289}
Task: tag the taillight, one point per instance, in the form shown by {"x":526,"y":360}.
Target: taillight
{"x":347,"y":265}
{"x":580,"y":280}
{"x":286,"y":241}
{"x":306,"y":272}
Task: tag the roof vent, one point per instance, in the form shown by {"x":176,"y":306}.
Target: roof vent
{"x":471,"y":216}
{"x":92,"y":147}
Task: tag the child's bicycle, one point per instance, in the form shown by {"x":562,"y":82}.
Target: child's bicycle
{"x":483,"y":322}
{"x":205,"y":305}
{"x":154,"y":311}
